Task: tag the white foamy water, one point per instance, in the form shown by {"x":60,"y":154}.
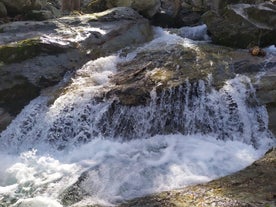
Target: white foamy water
{"x":118,"y":171}
{"x":176,"y":140}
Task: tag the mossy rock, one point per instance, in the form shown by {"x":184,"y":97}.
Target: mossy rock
{"x":26,"y":49}
{"x":19,"y":51}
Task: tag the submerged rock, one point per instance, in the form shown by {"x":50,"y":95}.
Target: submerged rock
{"x":243,"y":25}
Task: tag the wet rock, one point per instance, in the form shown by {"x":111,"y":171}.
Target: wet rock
{"x":157,"y":68}
{"x":247,"y":25}
{"x":253,"y":186}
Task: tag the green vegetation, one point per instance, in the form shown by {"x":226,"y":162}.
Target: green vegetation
{"x":19,"y":51}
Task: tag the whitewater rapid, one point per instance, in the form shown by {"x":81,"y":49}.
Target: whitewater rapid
{"x":50,"y":145}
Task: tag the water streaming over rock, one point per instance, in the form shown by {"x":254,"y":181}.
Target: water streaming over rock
{"x":186,"y":134}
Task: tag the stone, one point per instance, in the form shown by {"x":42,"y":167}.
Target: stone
{"x":247,"y":25}
{"x":257,"y":51}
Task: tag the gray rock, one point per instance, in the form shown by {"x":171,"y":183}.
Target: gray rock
{"x":243,"y":25}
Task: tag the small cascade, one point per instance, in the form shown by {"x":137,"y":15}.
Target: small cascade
{"x":80,"y":143}
{"x":232,"y":113}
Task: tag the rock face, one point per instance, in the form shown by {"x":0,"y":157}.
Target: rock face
{"x":253,"y":186}
{"x":243,"y":25}
{"x":36,"y":55}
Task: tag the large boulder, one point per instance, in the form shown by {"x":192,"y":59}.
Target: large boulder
{"x":243,"y":25}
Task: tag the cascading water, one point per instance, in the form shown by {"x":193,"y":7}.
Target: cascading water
{"x":187,"y":134}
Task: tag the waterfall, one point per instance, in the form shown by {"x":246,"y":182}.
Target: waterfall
{"x":232,"y":113}
{"x":184,"y":135}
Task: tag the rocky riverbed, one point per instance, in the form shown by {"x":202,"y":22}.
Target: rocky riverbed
{"x":42,"y":57}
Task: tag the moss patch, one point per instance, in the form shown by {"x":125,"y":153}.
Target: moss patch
{"x":25,"y":49}
{"x":19,"y":51}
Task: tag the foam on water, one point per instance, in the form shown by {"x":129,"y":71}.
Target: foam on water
{"x":177,"y":140}
{"x":117,"y":171}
